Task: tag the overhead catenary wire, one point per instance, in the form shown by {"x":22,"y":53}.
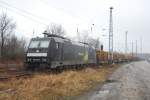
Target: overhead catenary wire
{"x":20,"y":9}
{"x":48,"y":4}
{"x":23,"y":13}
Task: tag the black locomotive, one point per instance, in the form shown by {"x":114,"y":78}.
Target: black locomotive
{"x":54,"y":51}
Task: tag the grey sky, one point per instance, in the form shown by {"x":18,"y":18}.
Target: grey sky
{"x":131,"y":15}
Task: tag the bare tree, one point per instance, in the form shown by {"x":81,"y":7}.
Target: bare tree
{"x":56,"y":29}
{"x":11,"y":46}
{"x":21,"y":48}
{"x":7,"y":26}
{"x":83,"y":36}
{"x":15,"y":48}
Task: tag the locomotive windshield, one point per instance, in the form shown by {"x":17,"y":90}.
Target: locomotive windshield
{"x":39,"y":44}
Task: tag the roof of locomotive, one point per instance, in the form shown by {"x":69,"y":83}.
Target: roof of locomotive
{"x":61,"y":40}
{"x":57,"y":39}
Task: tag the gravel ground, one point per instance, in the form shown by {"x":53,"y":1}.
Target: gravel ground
{"x":129,"y":82}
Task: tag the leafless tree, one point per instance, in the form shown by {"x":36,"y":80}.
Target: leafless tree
{"x":83,"y":36}
{"x":15,"y":48}
{"x":11,"y":46}
{"x":56,"y":29}
{"x":7,"y":26}
{"x":21,"y":48}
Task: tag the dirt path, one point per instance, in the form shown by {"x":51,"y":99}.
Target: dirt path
{"x":129,"y":82}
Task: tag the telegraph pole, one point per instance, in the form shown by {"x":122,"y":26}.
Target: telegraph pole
{"x":78,"y":34}
{"x":33,"y":33}
{"x":126,"y":44}
{"x":136,"y":48}
{"x":132,"y":49}
{"x":92,"y":28}
{"x":110,"y":55}
{"x":141,"y":45}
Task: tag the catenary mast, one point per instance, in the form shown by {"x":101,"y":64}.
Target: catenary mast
{"x":110,"y":55}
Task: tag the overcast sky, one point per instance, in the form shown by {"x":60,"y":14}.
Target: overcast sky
{"x":128,"y":15}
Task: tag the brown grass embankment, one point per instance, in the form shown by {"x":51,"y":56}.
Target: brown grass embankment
{"x":54,"y":86}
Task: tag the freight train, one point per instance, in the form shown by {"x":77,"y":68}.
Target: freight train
{"x":55,"y":51}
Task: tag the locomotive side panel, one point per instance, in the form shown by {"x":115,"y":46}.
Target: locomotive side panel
{"x":74,"y":54}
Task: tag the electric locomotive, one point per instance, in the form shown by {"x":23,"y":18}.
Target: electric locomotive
{"x":54,"y":51}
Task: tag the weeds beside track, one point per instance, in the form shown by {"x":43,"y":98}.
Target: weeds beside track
{"x":9,"y":71}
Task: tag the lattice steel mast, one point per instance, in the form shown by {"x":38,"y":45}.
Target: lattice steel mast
{"x":110,"y":55}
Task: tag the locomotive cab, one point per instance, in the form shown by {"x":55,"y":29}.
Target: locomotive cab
{"x":45,"y":51}
{"x":37,"y":52}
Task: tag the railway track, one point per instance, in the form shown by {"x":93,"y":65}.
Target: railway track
{"x":10,"y":71}
{"x":17,"y":75}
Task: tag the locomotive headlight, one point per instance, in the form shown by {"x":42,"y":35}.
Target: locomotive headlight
{"x":29,"y":59}
{"x":44,"y":59}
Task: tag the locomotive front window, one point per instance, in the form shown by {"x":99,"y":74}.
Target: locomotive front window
{"x":34,"y":44}
{"x":39,"y":44}
{"x":44,"y":44}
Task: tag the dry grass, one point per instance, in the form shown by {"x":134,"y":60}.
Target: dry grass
{"x":53,"y":86}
